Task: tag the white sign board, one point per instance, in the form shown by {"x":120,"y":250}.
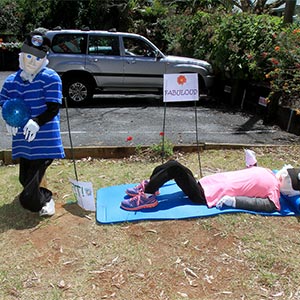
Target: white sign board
{"x":181,"y":87}
{"x":84,"y":194}
{"x":262,"y":101}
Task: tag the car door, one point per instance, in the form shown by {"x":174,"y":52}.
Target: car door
{"x":142,"y":67}
{"x":68,"y":52}
{"x":104,"y":60}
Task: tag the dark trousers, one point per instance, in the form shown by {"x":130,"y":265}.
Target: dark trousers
{"x":182,"y":176}
{"x":33,"y":197}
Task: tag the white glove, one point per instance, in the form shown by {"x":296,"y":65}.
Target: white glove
{"x":226,"y":200}
{"x":30,"y":130}
{"x":11,"y":130}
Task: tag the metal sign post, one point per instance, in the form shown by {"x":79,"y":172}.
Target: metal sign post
{"x":181,"y":88}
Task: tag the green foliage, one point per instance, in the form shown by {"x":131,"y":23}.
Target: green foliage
{"x":34,"y":14}
{"x":196,"y":36}
{"x":148,"y":20}
{"x":155,"y":152}
{"x":10,"y":18}
{"x":192,"y":6}
{"x":154,"y":11}
{"x":10,"y":46}
{"x":245,"y":41}
{"x":103,"y":15}
{"x":163,"y":149}
{"x":284,"y":61}
{"x":235,"y":43}
{"x":171,"y":32}
{"x":248,"y":47}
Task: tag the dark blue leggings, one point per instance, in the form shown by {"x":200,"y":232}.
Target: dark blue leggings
{"x":182,"y":176}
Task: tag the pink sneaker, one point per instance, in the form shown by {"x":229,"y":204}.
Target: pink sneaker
{"x":140,"y":188}
{"x":139,"y":202}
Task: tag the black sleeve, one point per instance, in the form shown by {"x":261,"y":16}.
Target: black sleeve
{"x":255,"y":204}
{"x":51,"y":111}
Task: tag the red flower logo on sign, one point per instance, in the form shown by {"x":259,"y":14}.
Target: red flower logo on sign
{"x":181,"y":79}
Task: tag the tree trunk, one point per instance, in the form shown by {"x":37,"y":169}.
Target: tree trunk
{"x":289,"y":11}
{"x":272,"y":107}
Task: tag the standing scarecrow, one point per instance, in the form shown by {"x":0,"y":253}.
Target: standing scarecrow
{"x":39,"y":142}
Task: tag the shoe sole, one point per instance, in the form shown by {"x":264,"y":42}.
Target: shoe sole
{"x":133,"y":195}
{"x":151,"y":205}
{"x":46,"y":214}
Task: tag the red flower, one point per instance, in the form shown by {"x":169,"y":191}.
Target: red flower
{"x":181,"y":79}
{"x":277,"y":48}
{"x":161,"y":133}
{"x":129,"y":138}
{"x":274,"y":61}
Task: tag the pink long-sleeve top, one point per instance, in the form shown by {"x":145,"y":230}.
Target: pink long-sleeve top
{"x":251,"y":182}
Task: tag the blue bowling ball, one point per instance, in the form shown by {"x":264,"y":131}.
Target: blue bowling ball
{"x":15,"y":112}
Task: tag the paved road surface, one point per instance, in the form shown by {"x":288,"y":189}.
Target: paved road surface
{"x":119,"y":117}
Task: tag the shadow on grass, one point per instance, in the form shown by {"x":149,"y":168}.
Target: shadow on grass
{"x":14,"y":216}
{"x":74,"y":209}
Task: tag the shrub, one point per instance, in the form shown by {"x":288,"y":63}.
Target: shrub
{"x":248,"y":47}
{"x":10,"y":46}
{"x":240,"y":42}
{"x":197,"y":34}
{"x":284,"y":70}
{"x":234,"y":43}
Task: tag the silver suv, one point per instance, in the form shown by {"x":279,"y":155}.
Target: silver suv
{"x":90,"y":61}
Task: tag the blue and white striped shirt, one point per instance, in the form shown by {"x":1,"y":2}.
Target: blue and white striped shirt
{"x":46,"y":87}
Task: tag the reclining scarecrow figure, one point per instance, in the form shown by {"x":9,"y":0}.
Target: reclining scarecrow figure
{"x":253,"y":188}
{"x":38,"y":142}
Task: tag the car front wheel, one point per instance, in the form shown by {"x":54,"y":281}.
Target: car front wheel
{"x":78,"y":91}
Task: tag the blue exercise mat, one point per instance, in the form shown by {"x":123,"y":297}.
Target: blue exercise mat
{"x":173,"y":205}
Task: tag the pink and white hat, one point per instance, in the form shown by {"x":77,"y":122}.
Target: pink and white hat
{"x":250,"y":158}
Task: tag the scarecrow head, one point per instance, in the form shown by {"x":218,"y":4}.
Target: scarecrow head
{"x":33,"y":53}
{"x":289,"y":178}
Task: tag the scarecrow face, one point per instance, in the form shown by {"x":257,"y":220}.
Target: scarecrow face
{"x":31,"y":63}
{"x":289,"y":178}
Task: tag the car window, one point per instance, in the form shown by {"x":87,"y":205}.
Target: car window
{"x":137,"y":47}
{"x":103,"y":45}
{"x":69,"y":43}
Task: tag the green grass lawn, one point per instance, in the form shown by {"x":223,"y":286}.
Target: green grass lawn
{"x":70,"y":256}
